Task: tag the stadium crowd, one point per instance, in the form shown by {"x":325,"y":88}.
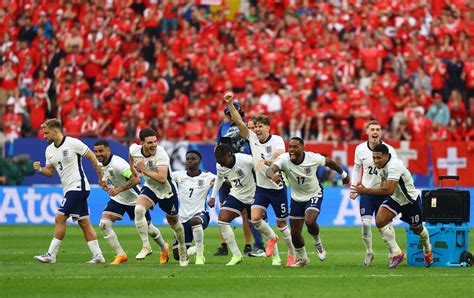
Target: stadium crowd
{"x":320,"y":69}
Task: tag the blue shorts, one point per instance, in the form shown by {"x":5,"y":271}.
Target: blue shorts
{"x":275,"y":197}
{"x":223,"y":193}
{"x":369,"y":204}
{"x":188,"y":230}
{"x":74,"y":204}
{"x":116,"y":209}
{"x":233,"y":204}
{"x":411,"y":213}
{"x":169,"y":206}
{"x":298,"y":209}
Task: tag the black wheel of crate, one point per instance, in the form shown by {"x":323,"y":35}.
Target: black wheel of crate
{"x":466,"y":256}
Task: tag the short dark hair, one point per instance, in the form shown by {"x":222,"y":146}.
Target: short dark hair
{"x":194,"y":152}
{"x":222,"y":150}
{"x":298,"y":139}
{"x":145,"y":133}
{"x":102,"y":143}
{"x":382,"y":148}
{"x":52,"y":123}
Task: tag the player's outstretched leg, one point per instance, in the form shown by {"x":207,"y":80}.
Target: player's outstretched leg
{"x":178,"y":229}
{"x":156,"y":235}
{"x":91,"y":238}
{"x":110,"y":236}
{"x":59,"y":232}
{"x":383,"y":221}
{"x":229,"y":238}
{"x":263,"y":227}
{"x":198,"y":236}
{"x":311,"y":216}
{"x":422,"y":232}
{"x":302,"y":258}
{"x":285,"y":232}
{"x":366,"y":231}
{"x":142,"y":228}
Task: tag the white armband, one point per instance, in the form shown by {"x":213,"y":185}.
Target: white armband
{"x":344,"y":174}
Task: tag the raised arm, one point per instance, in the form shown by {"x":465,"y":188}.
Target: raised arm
{"x":243,"y":129}
{"x":334,"y":166}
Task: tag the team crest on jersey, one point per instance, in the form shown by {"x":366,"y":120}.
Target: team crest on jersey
{"x":307,"y":171}
{"x":200,"y":182}
{"x":268,"y":149}
{"x":64,"y":153}
{"x":240,"y":173}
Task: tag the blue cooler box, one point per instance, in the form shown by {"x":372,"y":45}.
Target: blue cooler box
{"x":450,"y":246}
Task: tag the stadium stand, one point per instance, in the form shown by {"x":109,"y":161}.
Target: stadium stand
{"x":320,"y":69}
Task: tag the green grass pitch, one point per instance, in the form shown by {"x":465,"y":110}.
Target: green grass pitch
{"x":342,"y":274}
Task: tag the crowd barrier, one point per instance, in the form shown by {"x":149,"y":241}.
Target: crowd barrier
{"x":38,"y":205}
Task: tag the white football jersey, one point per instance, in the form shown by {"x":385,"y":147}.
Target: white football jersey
{"x":265,"y":151}
{"x":114,"y":172}
{"x":363,"y":158}
{"x":302,"y":177}
{"x":67,"y":161}
{"x":160,"y":159}
{"x":192,"y":193}
{"x":241,"y":175}
{"x":405,"y":191}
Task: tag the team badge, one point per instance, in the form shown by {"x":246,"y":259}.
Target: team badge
{"x":240,"y":173}
{"x":307,"y":171}
{"x":268,"y":149}
{"x":200,"y":182}
{"x":64,"y":153}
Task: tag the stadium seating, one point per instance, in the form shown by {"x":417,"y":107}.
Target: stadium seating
{"x":319,"y":68}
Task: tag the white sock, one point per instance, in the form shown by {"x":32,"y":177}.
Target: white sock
{"x":179,"y":233}
{"x":316,"y":239}
{"x":275,"y":251}
{"x":367,"y":233}
{"x":425,"y":240}
{"x":110,"y":236}
{"x":229,"y":238}
{"x":301,"y":252}
{"x":155,"y":233}
{"x":388,"y":235}
{"x":198,"y":235}
{"x":141,"y":224}
{"x":287,"y":237}
{"x":54,"y":247}
{"x":94,"y":247}
{"x":263,"y":227}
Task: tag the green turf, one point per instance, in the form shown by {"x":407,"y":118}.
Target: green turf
{"x":340,"y":275}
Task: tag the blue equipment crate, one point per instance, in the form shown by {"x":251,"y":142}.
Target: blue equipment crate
{"x":449,"y":241}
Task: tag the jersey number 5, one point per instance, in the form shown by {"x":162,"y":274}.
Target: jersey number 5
{"x":60,"y":165}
